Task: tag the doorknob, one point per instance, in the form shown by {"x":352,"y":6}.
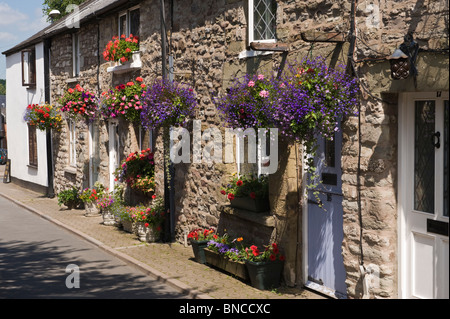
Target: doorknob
{"x":438,"y":136}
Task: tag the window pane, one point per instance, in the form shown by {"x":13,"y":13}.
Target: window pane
{"x":122,"y":25}
{"x":446,"y":190}
{"x":264,"y":18}
{"x":134,"y":22}
{"x":424,"y":156}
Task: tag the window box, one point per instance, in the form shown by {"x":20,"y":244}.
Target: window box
{"x":134,"y":64}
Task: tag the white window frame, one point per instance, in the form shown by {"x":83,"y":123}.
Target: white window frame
{"x":28,"y":57}
{"x":76,"y":55}
{"x":251,"y":24}
{"x":72,"y":144}
{"x":127,"y":21}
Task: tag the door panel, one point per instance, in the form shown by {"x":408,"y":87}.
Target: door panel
{"x":325,"y":266}
{"x":423,"y":176}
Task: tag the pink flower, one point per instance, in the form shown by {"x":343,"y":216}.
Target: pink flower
{"x":251,"y":84}
{"x":260,"y":77}
{"x":264,"y":93}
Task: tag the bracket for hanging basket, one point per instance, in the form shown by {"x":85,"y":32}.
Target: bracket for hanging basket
{"x":316,"y":36}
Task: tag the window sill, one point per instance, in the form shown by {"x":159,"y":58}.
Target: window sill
{"x":263,"y":48}
{"x":70,"y":170}
{"x":73,"y":80}
{"x":133,"y":65}
{"x":32,"y":166}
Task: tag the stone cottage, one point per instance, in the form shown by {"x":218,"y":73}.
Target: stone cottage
{"x":382,"y":228}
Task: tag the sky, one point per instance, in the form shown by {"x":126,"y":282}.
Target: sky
{"x":19,"y":19}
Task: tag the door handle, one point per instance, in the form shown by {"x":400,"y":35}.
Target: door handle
{"x":438,"y":136}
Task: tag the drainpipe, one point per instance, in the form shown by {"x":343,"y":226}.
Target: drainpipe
{"x":48,"y":137}
{"x":169,"y":198}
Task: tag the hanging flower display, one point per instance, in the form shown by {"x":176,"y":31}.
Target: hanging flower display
{"x":43,"y":116}
{"x":121,"y":49}
{"x":138,"y":171}
{"x":167,"y":103}
{"x":249,"y":103}
{"x":124,"y":101}
{"x":78,"y":103}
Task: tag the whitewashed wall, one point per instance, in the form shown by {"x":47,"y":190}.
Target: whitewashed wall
{"x":18,"y":97}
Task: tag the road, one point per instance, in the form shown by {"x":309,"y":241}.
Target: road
{"x":35,"y":255}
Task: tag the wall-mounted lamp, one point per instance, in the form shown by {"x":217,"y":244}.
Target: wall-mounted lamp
{"x":403,"y":60}
{"x":400,"y":65}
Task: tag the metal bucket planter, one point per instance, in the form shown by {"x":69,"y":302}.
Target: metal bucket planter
{"x":198,"y":249}
{"x":265,"y":275}
{"x":250,"y":204}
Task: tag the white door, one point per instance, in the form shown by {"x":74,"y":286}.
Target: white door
{"x":424,"y":199}
{"x":114,"y":158}
{"x":325,"y":266}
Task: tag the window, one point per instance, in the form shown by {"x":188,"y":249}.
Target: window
{"x":29,"y":67}
{"x":72,"y":144}
{"x":76,"y":54}
{"x":129,"y":22}
{"x":32,"y":146}
{"x":262,"y":20}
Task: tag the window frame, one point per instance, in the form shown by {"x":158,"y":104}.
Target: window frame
{"x":32,"y":146}
{"x":29,"y":79}
{"x":126,"y":13}
{"x":251,"y":24}
{"x":72,"y":143}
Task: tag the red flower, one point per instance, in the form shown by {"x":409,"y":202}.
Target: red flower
{"x":139,"y":79}
{"x":230,"y":196}
{"x":223,"y":192}
{"x":282,"y":258}
{"x":272,"y":257}
{"x":146,"y":224}
{"x":253,"y":195}
{"x":239,"y":183}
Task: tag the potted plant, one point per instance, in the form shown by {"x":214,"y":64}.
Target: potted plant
{"x":89,"y":196}
{"x":154,"y":219}
{"x":137,"y":172}
{"x":69,"y":197}
{"x":123,"y":101}
{"x":121,"y":49}
{"x":264,"y":267}
{"x":43,"y":116}
{"x":78,"y":103}
{"x":104,"y":204}
{"x":248,"y":192}
{"x":167,"y":103}
{"x":199,"y":239}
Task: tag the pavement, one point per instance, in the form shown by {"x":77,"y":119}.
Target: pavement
{"x":171,"y":263}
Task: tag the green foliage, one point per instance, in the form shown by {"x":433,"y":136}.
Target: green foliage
{"x":60,"y":5}
{"x":69,"y":197}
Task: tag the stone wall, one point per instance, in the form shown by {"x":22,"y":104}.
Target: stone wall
{"x":205,"y":39}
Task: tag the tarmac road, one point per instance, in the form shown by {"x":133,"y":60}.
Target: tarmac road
{"x":35,"y":254}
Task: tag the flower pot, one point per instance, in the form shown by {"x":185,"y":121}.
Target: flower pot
{"x":141,"y":231}
{"x":232,"y":267}
{"x":198,"y":249}
{"x":214,"y":259}
{"x":91,"y":209}
{"x":266,"y":274}
{"x":236,"y":268}
{"x":108,"y":218}
{"x":128,"y":226}
{"x":152,"y":234}
{"x":250,"y":204}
